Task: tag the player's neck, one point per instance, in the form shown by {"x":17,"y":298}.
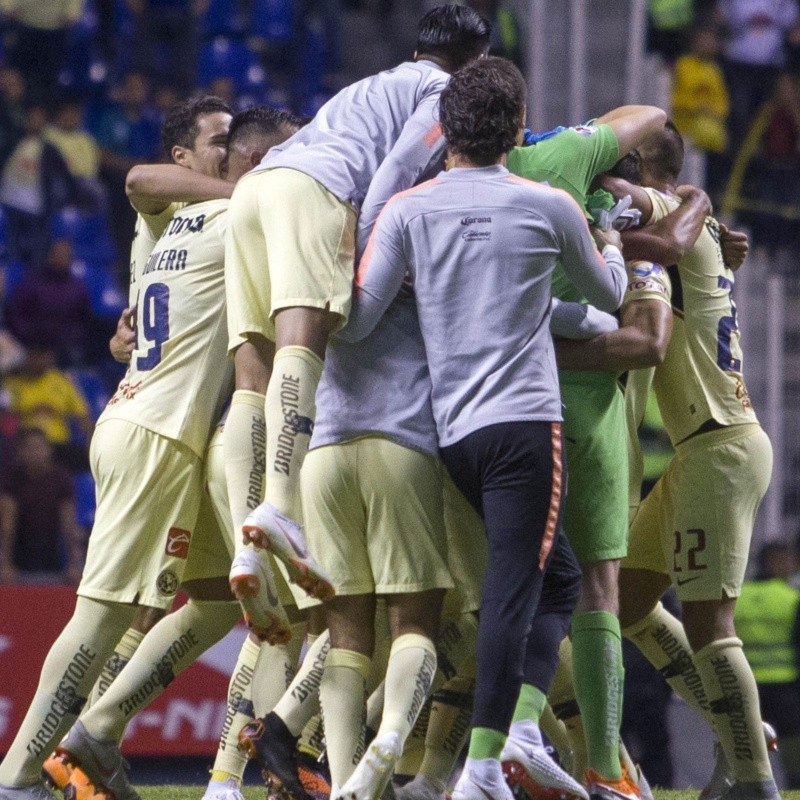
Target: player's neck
{"x":456,"y":160}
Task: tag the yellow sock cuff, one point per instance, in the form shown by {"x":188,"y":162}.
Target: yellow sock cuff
{"x":220,"y":776}
{"x":713,"y":649}
{"x":409,"y":640}
{"x":245,"y":397}
{"x":338,"y":657}
{"x":304,"y":354}
{"x":129,"y":642}
{"x":643,"y":623}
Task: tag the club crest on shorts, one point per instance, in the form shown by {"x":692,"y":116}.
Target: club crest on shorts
{"x":178,"y":543}
{"x":167,"y":583}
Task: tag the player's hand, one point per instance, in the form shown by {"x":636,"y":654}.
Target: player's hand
{"x":735,"y":246}
{"x":121,"y":343}
{"x":8,"y":574}
{"x":602,"y":238}
{"x":687,"y":192}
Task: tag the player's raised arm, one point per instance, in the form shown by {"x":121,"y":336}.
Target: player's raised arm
{"x":601,"y":278}
{"x":641,"y":341}
{"x":633,"y":124}
{"x":153,"y":187}
{"x":379,"y":276}
{"x":669,"y":239}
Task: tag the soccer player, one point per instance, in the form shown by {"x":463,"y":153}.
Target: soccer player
{"x":139,"y":540}
{"x":290,"y":253}
{"x":480,"y":243}
{"x":693,"y":530}
{"x":181,"y":637}
{"x":595,"y":510}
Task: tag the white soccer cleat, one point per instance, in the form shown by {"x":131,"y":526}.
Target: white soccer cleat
{"x":420,"y":788}
{"x":374,"y":771}
{"x":223,"y":790}
{"x":643,"y":784}
{"x":266,"y":527}
{"x":527,"y":764}
{"x":253,"y":585}
{"x":482,"y":780}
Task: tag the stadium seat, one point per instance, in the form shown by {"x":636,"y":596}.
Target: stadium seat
{"x":13,"y":274}
{"x":92,"y":387}
{"x":105,"y":298}
{"x":227,"y":58}
{"x":85,"y":505}
{"x":89,"y":233}
{"x":224,"y":18}
{"x":272,"y":20}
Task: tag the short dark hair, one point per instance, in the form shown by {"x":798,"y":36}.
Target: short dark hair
{"x":664,"y":152}
{"x":456,"y":34}
{"x":263,"y":120}
{"x":629,"y":168}
{"x":481,"y":109}
{"x":180,"y":128}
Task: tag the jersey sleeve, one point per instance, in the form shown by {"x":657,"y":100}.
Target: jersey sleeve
{"x":647,"y":281}
{"x":662,"y":204}
{"x":418,"y":151}
{"x":379,"y":275}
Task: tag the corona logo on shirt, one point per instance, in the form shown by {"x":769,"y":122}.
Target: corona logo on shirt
{"x":178,"y":543}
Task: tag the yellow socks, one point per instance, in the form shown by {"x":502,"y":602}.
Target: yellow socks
{"x":123,"y":653}
{"x":733,"y":698}
{"x":69,"y":672}
{"x":662,"y":640}
{"x":230,"y":761}
{"x":290,"y":412}
{"x":244,"y":447}
{"x":300,"y":702}
{"x":167,"y":649}
{"x":342,"y":694}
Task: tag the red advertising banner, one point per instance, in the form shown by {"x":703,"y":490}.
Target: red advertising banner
{"x":186,"y":720}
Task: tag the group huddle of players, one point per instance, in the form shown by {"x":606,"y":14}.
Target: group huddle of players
{"x":413,"y":298}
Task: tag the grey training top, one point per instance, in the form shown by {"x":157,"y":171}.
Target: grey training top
{"x":374,"y":138}
{"x":378,"y":385}
{"x":479,"y":246}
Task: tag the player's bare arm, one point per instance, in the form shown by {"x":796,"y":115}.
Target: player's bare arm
{"x":633,"y":124}
{"x":74,"y":537}
{"x":641,"y":341}
{"x":669,"y":239}
{"x":153,"y":187}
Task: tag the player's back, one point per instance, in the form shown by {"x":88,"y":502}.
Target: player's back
{"x":701,"y":378}
{"x":380,"y":384}
{"x":348,"y":139}
{"x":179,"y":375}
{"x":481,"y":246}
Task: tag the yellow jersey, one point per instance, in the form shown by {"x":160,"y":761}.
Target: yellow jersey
{"x":701,"y":376}
{"x":179,"y":376}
